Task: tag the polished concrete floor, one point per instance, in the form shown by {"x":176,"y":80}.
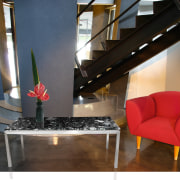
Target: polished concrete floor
{"x":87,"y":153}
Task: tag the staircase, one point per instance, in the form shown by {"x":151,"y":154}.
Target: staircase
{"x":10,"y":108}
{"x":153,"y":34}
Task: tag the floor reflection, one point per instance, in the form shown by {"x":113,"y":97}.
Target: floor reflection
{"x":94,"y":105}
{"x":175,"y":166}
{"x":137,"y":156}
{"x":155,"y":157}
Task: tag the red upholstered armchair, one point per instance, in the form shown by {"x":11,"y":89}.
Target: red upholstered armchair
{"x":156,"y":117}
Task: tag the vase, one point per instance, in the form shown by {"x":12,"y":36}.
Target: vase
{"x":39,"y":115}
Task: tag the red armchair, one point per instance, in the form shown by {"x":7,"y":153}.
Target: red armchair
{"x":156,"y":117}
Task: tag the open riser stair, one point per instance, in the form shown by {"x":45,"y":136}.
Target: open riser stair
{"x":153,"y":34}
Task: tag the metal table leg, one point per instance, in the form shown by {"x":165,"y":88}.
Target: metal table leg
{"x":22,"y":146}
{"x":8,"y":151}
{"x":117,"y":150}
{"x":107,"y":141}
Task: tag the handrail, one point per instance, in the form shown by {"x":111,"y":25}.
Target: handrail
{"x":132,"y":5}
{"x":177,"y":2}
{"x":85,"y":8}
{"x":81,"y":68}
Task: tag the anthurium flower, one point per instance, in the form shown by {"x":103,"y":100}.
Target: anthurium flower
{"x":39,"y":92}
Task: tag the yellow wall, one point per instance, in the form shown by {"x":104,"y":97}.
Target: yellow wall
{"x":160,"y":73}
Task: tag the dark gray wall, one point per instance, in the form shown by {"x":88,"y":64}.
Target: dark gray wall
{"x":1,"y":90}
{"x":49,"y":27}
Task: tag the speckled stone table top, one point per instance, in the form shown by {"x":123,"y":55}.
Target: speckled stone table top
{"x":66,"y":123}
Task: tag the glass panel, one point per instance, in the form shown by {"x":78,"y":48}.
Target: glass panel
{"x":7,"y":17}
{"x":110,"y":29}
{"x":85,"y":28}
{"x":10,"y":45}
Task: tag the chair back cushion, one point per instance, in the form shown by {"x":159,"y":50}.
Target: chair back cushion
{"x":139,"y":110}
{"x":167,"y":104}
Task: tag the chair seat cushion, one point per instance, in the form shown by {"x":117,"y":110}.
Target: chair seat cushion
{"x":159,"y":129}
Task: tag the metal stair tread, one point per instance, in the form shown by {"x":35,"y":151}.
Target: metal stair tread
{"x":10,"y":107}
{"x":5,"y":121}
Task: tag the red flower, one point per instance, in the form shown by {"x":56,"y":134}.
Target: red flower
{"x":39,"y":92}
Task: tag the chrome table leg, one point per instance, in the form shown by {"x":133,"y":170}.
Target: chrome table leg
{"x":22,"y":146}
{"x":107,"y":141}
{"x":117,"y":150}
{"x":8,"y":151}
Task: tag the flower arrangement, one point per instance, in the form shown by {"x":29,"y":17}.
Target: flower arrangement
{"x":39,"y":92}
{"x":39,"y":88}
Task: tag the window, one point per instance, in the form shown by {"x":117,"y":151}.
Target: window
{"x":84,"y":34}
{"x":9,"y":24}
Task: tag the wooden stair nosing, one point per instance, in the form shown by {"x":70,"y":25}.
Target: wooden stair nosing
{"x":111,"y":43}
{"x":97,"y":53}
{"x":124,"y":32}
{"x":159,"y":5}
{"x":86,"y":62}
{"x":142,"y":19}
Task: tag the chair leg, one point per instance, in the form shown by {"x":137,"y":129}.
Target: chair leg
{"x":176,"y":152}
{"x":138,"y":139}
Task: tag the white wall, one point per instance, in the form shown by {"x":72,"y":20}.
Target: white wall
{"x":173,"y":68}
{"x":159,"y":73}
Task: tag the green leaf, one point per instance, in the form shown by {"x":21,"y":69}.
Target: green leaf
{"x":34,"y":69}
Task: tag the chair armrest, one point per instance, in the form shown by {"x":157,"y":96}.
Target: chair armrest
{"x":139,"y":110}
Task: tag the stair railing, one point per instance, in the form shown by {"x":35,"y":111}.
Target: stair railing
{"x":86,"y":7}
{"x":82,"y":69}
{"x":177,"y":2}
{"x":124,"y":12}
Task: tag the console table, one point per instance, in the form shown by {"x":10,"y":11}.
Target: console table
{"x":64,"y":125}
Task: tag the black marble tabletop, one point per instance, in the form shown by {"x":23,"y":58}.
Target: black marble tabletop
{"x":65,"y":123}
